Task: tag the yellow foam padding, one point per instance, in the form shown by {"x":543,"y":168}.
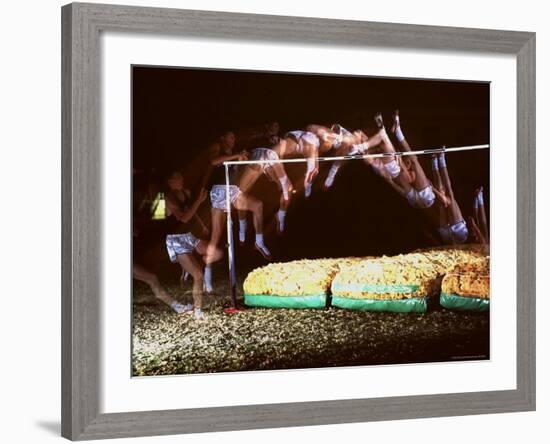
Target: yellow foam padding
{"x":468,"y":279}
{"x":399,"y":277}
{"x":296,"y":278}
{"x":446,"y":258}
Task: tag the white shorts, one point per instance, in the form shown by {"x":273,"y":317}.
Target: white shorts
{"x":310,"y":138}
{"x":454,"y":234}
{"x":177,"y":244}
{"x":265,"y":154}
{"x":305,"y":136}
{"x":393,"y":168}
{"x":217,"y":196}
{"x":421,"y":199}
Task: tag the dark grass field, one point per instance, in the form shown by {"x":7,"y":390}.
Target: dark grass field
{"x":268,"y":339}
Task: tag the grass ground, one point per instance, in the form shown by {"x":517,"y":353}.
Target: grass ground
{"x":267,"y":339}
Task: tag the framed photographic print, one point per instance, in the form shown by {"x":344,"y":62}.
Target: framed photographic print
{"x":293,"y":221}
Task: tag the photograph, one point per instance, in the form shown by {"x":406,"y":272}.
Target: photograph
{"x":285,"y":220}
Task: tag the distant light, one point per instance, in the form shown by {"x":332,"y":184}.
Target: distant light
{"x":159,"y":207}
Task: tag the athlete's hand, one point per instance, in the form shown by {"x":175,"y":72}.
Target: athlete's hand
{"x":289,"y":192}
{"x":311,"y":175}
{"x":243,"y":155}
{"x":476,"y":232}
{"x":202,"y":195}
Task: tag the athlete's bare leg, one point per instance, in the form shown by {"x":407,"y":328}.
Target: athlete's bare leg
{"x":440,"y":188}
{"x":479,"y":219}
{"x":453,"y":210}
{"x":482,"y":215}
{"x":420,"y":179}
{"x":210,"y":254}
{"x":249,"y":177}
{"x":190,"y":264}
{"x":140,"y":273}
{"x":285,"y":186}
{"x":218,"y":228}
{"x":249,"y":203}
{"x":344,"y":150}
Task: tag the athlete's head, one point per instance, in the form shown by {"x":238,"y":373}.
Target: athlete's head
{"x":272,"y":128}
{"x":175,"y":181}
{"x":227,"y":140}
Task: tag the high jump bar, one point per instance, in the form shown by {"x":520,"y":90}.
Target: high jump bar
{"x":361,"y":156}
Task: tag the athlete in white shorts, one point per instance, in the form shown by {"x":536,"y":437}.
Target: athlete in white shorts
{"x":293,"y":144}
{"x":422,"y":193}
{"x":221,"y":152}
{"x":452,"y":228}
{"x":390,"y":167}
{"x":336,"y":140}
{"x":305,"y":144}
{"x":404,"y":174}
{"x":266,"y":156}
{"x":181,"y":243}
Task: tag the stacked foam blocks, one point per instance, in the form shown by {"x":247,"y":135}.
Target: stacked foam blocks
{"x":403,"y":283}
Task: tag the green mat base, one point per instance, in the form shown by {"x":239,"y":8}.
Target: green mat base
{"x":455,"y":302}
{"x":274,"y":301}
{"x":375,"y":288}
{"x":412,"y":305}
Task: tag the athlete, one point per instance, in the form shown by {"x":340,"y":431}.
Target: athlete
{"x":293,"y":144}
{"x":220,"y":152}
{"x":421,"y":194}
{"x":142,"y":274}
{"x":387,"y":164}
{"x":338,"y":141}
{"x":452,"y":227}
{"x":181,"y":243}
{"x":478,"y":221}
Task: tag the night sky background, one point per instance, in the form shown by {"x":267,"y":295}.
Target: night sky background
{"x":178,"y":112}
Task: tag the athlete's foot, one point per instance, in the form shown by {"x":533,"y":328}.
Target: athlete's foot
{"x":180,"y":308}
{"x":478,"y":191}
{"x":337,"y":128}
{"x":199,"y":314}
{"x":378,"y":120}
{"x":184,"y":278}
{"x":280,"y":226}
{"x":207,"y":287}
{"x":263,"y":251}
{"x":476,"y":232}
{"x":280,"y":221}
{"x":435,"y":162}
{"x":396,"y":124}
{"x":328,"y":183}
{"x":307,"y":190}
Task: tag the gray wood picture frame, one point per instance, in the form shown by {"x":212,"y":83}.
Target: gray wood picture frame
{"x":81,"y":231}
